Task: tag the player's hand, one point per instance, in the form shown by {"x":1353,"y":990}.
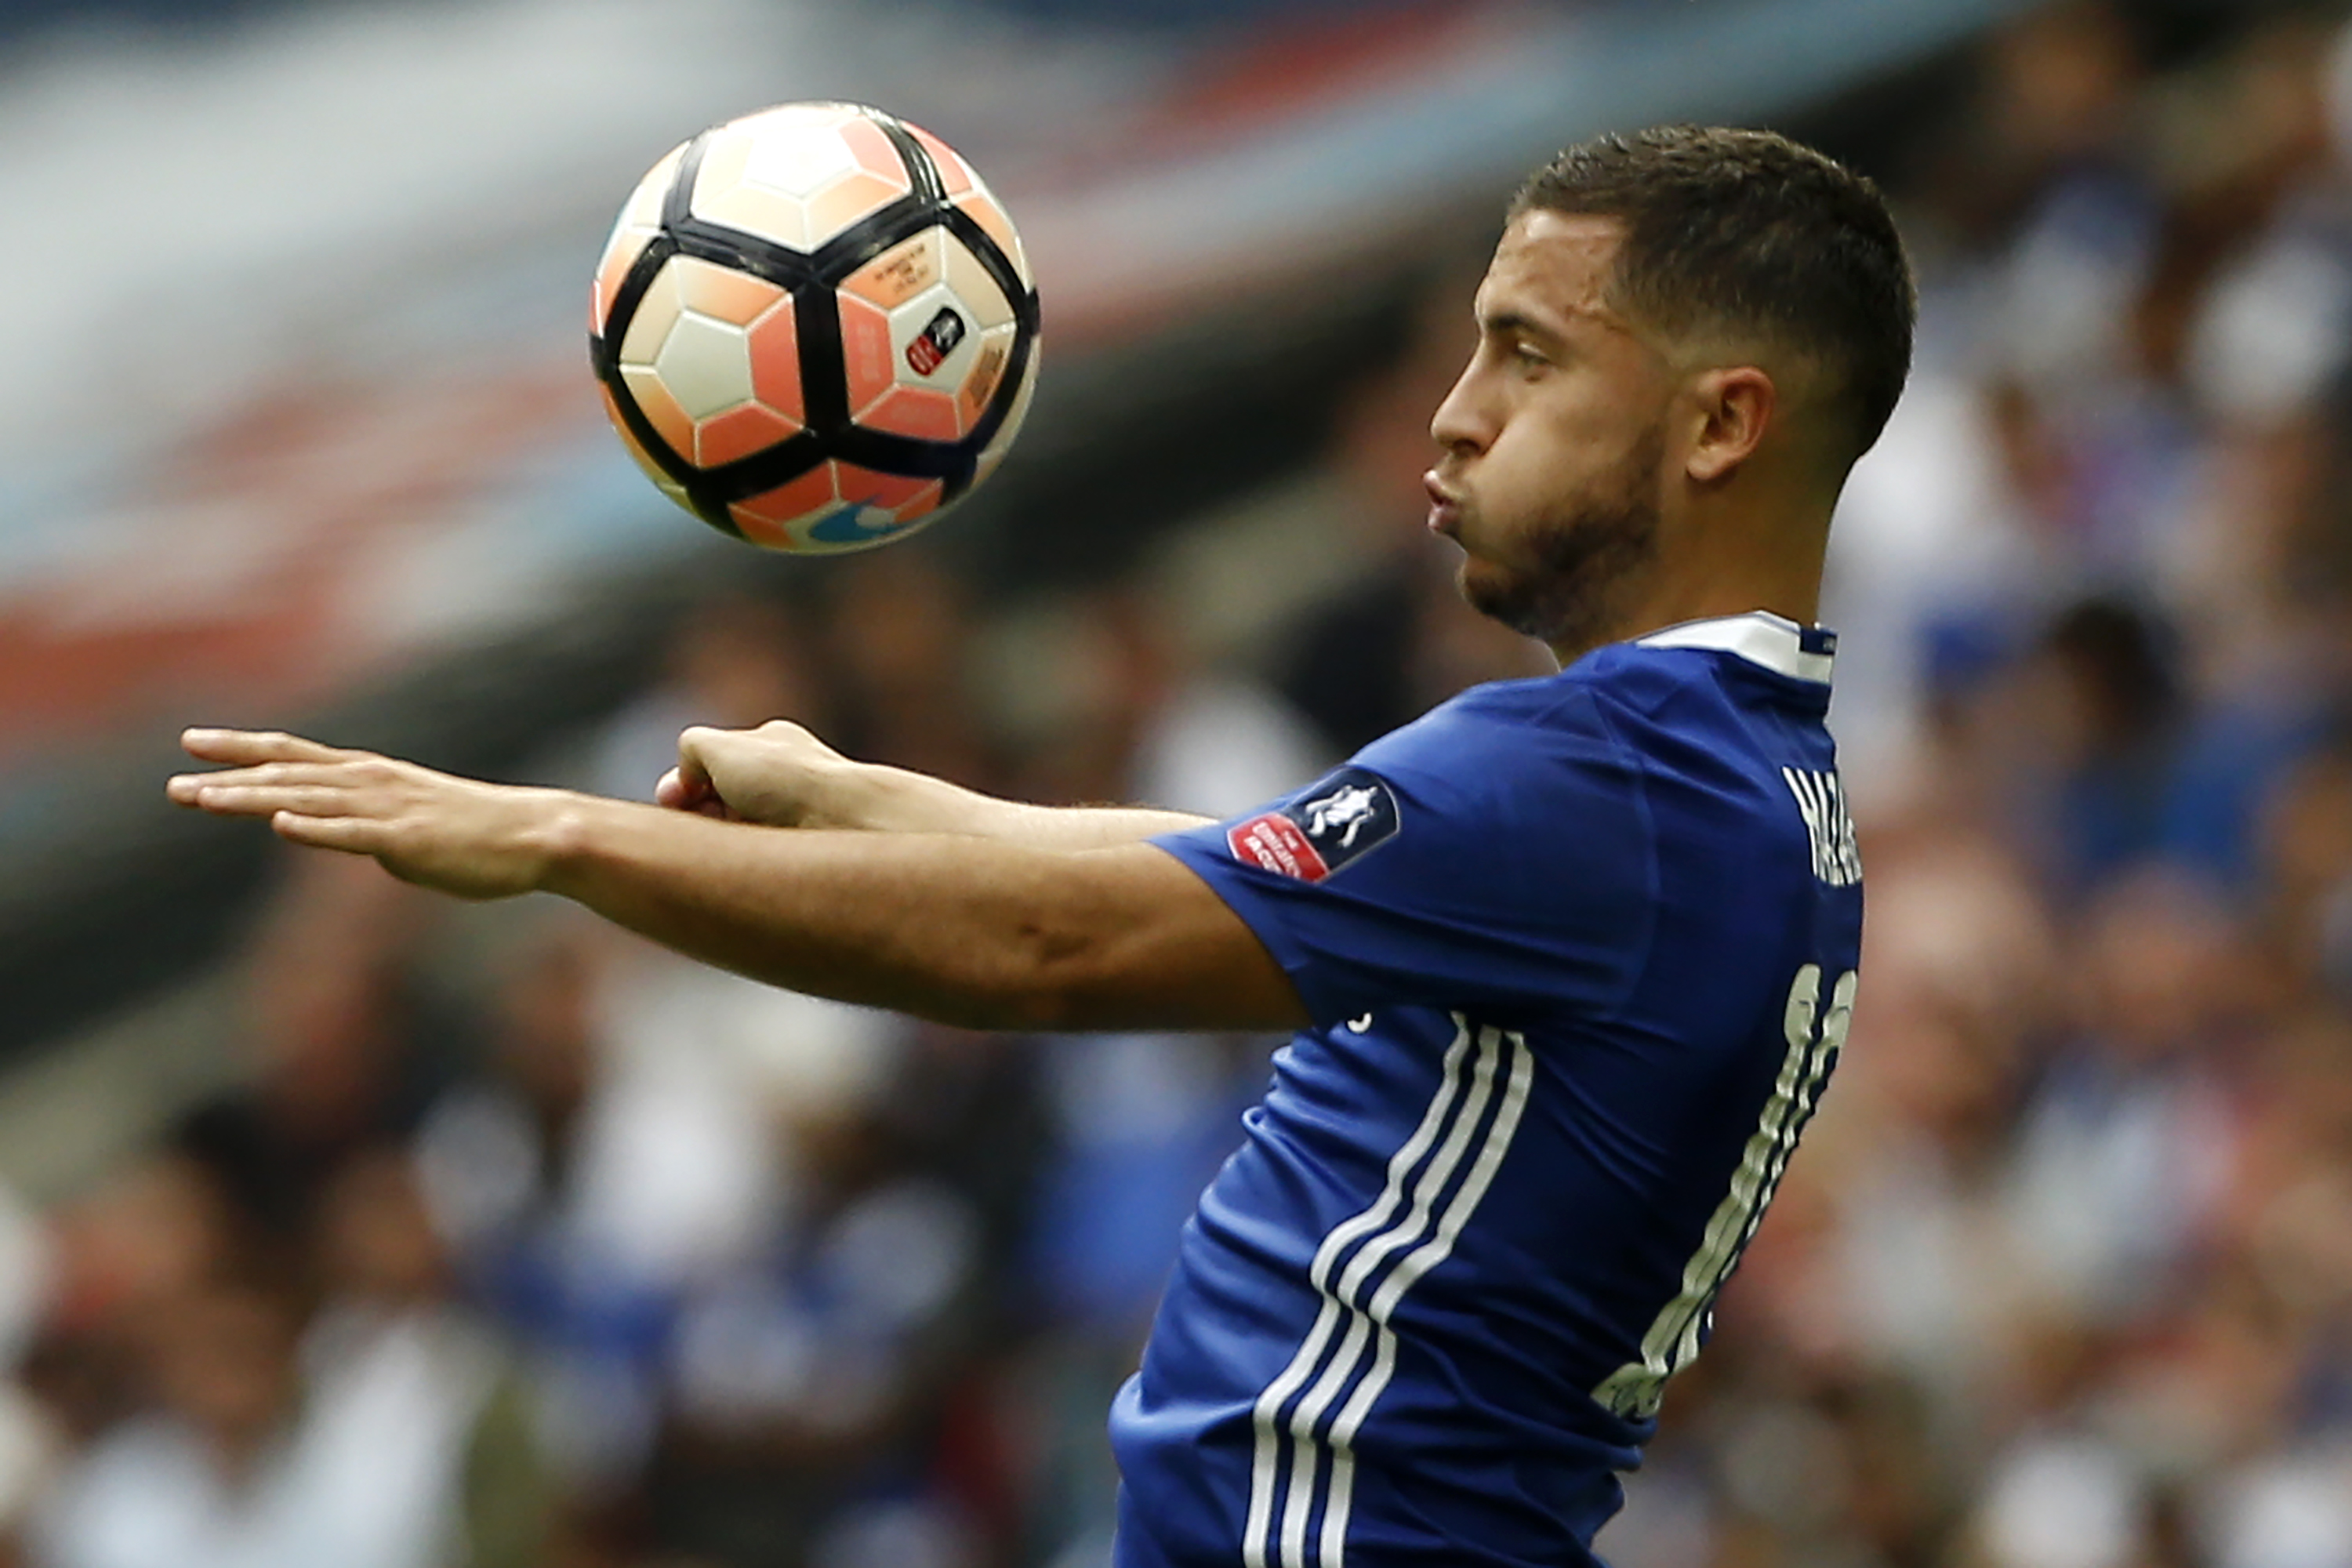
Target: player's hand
{"x":778,"y":774}
{"x":458,"y":836}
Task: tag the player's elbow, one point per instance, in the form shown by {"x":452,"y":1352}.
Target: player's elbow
{"x":1053,"y":978}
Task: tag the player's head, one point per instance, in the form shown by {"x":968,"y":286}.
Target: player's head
{"x":1687,"y":337}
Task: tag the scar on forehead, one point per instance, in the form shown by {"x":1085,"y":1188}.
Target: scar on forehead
{"x":1561,"y":264}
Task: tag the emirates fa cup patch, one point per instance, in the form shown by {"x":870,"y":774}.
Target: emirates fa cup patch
{"x":1346,"y":816}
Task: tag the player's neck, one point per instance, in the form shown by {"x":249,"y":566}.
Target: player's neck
{"x":1703,"y":573}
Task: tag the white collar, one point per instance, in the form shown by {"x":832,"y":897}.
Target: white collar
{"x":1760,"y":637}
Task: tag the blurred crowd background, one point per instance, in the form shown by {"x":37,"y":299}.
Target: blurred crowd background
{"x":343,"y":1226}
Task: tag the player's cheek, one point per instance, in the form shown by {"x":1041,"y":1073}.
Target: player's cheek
{"x":1509,"y":489}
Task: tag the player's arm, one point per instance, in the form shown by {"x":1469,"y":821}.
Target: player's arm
{"x":963,"y":929}
{"x":782,"y":775}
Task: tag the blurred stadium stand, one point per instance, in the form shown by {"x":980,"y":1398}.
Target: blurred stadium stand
{"x":360,"y":456}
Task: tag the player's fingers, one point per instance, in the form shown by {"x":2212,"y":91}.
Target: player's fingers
{"x":250,"y":746}
{"x":188,"y":788}
{"x":264,"y":800}
{"x":694,"y":744}
{"x":697,"y":749}
{"x":352,"y":835}
{"x":674,"y":793}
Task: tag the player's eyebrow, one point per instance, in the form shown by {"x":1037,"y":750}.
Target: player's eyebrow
{"x":1553,"y":328}
{"x":1517,"y":323}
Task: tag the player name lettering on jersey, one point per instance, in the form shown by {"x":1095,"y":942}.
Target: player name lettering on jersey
{"x":1822,"y":803}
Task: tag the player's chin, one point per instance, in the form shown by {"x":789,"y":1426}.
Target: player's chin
{"x":1502,"y":594}
{"x":1485,"y":586}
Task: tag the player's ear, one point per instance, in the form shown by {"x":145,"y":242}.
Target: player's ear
{"x":1735,"y":405}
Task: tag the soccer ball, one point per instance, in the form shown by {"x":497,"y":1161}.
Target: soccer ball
{"x":814,"y":327}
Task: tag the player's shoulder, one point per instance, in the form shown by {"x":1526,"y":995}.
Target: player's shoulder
{"x":1727,"y":718}
{"x":1501,"y":729}
{"x":1523,"y":771}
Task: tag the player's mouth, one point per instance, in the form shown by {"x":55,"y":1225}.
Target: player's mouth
{"x":1444,"y":506}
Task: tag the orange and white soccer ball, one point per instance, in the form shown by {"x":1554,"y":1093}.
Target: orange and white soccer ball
{"x":814,"y":327}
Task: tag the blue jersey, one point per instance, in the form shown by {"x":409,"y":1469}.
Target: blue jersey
{"x":1581,"y":954}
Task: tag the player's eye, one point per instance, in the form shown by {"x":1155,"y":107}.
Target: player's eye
{"x":1527,"y":356}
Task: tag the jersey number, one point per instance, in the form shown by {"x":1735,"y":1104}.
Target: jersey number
{"x":1815,"y":1038}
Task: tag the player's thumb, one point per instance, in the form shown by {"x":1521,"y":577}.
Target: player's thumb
{"x":695,"y":786}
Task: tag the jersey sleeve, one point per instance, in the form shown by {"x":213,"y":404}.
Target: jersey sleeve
{"x":1482,"y":858}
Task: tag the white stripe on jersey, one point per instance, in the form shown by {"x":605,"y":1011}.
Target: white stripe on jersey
{"x":1423,"y":1259}
{"x":1305,"y":1454}
{"x":1302,"y":1365}
{"x":1368,"y":1325}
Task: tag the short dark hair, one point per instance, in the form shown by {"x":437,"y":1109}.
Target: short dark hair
{"x":1749,"y":231}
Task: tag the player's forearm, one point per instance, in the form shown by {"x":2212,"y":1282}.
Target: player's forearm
{"x":894,"y":800}
{"x":950,"y":926}
{"x":782,"y":775}
{"x":957,"y":927}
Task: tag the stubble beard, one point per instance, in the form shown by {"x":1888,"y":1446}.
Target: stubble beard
{"x":1579,"y":557}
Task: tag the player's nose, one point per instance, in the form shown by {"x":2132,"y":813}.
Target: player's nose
{"x":1462,"y":423}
